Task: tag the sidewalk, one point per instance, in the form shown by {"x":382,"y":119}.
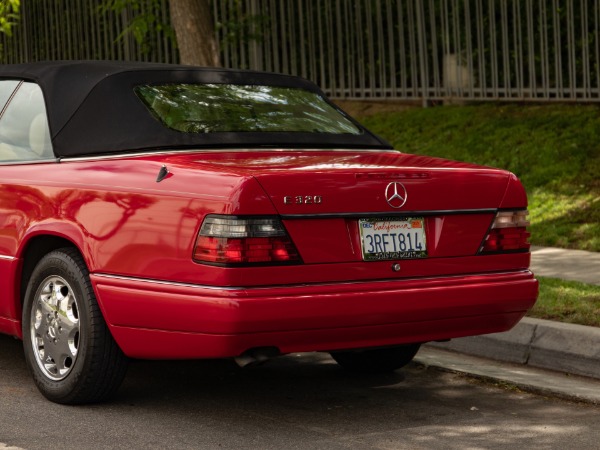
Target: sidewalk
{"x":575,"y":265}
{"x":556,"y":346}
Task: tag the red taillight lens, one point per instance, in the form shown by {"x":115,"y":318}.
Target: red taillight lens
{"x":508,"y":233}
{"x":227,"y":240}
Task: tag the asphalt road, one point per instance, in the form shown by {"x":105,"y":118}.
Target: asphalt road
{"x":294,"y":402}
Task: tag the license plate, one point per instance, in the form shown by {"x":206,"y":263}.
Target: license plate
{"x":383,"y":239}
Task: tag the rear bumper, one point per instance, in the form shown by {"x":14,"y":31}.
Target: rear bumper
{"x":151,"y":319}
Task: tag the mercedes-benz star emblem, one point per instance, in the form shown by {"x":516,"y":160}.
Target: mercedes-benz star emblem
{"x":395,"y":194}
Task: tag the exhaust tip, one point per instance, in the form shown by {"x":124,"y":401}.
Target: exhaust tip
{"x":256,"y":356}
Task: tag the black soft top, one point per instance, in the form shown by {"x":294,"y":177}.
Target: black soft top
{"x":93,"y":109}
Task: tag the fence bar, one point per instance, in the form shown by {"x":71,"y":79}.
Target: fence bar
{"x":596,"y":89}
{"x":585,"y":56}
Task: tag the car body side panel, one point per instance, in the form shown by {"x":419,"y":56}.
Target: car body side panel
{"x":119,"y":217}
{"x":10,"y":309}
{"x":115,"y":213}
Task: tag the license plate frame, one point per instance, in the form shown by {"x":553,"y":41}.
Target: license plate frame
{"x":392,"y":238}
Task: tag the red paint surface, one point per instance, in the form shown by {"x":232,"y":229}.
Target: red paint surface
{"x":126,"y":224}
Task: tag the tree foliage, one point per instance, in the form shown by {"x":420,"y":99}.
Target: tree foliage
{"x":9,"y":15}
{"x":146,"y":20}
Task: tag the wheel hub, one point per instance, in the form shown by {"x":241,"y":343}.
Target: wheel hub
{"x":55,"y":327}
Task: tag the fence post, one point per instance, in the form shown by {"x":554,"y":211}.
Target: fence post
{"x":423,"y":66}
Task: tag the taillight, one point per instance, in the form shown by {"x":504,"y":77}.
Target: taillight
{"x":234,"y":240}
{"x":508,"y":233}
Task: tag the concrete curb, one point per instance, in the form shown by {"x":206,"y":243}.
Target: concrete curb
{"x":545,"y":344}
{"x":534,"y":380}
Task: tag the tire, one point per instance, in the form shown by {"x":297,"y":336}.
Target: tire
{"x":69,"y":350}
{"x":376,"y":360}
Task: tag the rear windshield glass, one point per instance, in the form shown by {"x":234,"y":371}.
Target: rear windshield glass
{"x":210,"y":108}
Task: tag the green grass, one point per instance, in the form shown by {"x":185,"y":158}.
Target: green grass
{"x":553,"y":149}
{"x":568,"y":301}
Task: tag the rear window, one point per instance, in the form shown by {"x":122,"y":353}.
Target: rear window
{"x":213,"y":108}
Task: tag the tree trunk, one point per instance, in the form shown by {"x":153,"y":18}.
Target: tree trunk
{"x":193,"y":24}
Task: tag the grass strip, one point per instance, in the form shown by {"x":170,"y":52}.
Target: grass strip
{"x":568,"y":301}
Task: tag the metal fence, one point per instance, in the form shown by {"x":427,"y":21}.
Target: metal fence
{"x":82,"y":29}
{"x":539,"y":50}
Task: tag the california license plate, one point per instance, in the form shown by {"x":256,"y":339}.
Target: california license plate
{"x":383,"y":239}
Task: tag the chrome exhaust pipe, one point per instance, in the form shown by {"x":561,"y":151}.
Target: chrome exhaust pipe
{"x":256,"y":356}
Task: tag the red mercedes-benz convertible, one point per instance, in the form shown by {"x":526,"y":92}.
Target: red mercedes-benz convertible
{"x":158,"y":211}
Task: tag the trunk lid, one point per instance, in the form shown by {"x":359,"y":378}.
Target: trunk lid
{"x":351,"y":182}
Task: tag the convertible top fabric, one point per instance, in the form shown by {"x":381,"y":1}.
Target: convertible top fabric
{"x":92,"y":108}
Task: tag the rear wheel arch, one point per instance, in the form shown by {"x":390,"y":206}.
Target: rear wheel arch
{"x":33,"y":251}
